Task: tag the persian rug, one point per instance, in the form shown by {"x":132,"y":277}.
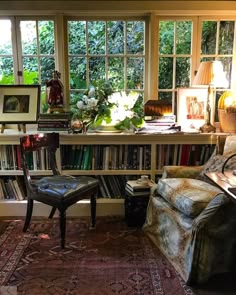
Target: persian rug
{"x":111,"y":259}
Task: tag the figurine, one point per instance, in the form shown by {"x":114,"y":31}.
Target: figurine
{"x":55,"y":97}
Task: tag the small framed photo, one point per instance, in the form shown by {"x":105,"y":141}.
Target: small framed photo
{"x":191,"y":107}
{"x":19,"y":103}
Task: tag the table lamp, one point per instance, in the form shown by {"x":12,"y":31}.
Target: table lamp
{"x":210,"y":73}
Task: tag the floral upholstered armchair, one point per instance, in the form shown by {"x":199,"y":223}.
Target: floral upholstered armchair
{"x":192,"y":221}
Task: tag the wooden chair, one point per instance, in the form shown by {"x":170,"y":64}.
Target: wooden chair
{"x":58,"y":191}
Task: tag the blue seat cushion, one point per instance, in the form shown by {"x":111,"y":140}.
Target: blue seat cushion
{"x":63,"y":186}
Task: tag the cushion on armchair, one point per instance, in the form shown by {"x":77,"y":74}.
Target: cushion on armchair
{"x":190,"y":196}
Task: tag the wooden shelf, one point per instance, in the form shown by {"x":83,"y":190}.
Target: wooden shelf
{"x":106,"y":206}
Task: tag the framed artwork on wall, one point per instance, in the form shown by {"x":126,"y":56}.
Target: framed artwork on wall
{"x":191,"y":107}
{"x":19,"y":103}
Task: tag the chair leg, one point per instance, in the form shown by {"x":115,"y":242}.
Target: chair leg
{"x":52,"y":212}
{"x":30,"y":204}
{"x":93,"y":204}
{"x":63,"y":227}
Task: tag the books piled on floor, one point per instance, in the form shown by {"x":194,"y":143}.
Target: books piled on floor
{"x":137,"y":188}
{"x":54,"y":122}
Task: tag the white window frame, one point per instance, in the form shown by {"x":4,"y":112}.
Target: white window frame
{"x":106,"y":18}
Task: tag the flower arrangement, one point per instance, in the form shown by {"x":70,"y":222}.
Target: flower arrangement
{"x":126,"y":112}
{"x":100,"y":105}
{"x":93,"y":104}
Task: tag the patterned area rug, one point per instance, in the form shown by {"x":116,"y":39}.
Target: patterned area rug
{"x":112,"y":259}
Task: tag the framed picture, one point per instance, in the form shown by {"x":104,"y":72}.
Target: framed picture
{"x":191,"y":107}
{"x":19,"y":103}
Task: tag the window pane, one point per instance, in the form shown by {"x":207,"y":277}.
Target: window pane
{"x":227,"y":66}
{"x":114,"y":52}
{"x":47,"y":66}
{"x":184,"y":36}
{"x":5,"y":39}
{"x":135,"y":37}
{"x":116,"y":72}
{"x":77,"y":37}
{"x":135,"y":73}
{"x":167,"y":96}
{"x":6,"y":70}
{"x":46,"y":37}
{"x":182,"y":72}
{"x":226,"y":39}
{"x":208,"y":42}
{"x":28,"y":37}
{"x":165,"y":73}
{"x":166,"y":37}
{"x":77,"y":73}
{"x":96,"y":37}
{"x":97,"y":69}
{"x":30,"y":66}
{"x":115,"y":37}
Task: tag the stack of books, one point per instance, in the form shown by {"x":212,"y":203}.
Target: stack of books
{"x":160,"y":124}
{"x":137,"y":188}
{"x":54,"y":122}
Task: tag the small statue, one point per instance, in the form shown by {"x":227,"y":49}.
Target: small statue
{"x":55,"y":98}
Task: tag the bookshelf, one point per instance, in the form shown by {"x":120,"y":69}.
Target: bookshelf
{"x":150,"y":151}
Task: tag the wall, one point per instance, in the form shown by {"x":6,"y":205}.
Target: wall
{"x":23,"y":7}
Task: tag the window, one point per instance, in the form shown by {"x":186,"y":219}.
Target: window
{"x":174,"y":56}
{"x":6,"y":52}
{"x":217,"y":43}
{"x":179,"y":53}
{"x":110,"y":50}
{"x":32,"y":59}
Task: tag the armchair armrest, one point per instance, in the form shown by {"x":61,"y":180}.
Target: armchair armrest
{"x":181,"y":171}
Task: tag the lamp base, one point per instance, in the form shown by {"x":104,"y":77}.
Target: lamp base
{"x":208,"y":128}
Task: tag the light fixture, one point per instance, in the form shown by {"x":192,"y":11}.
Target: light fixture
{"x":210,"y":73}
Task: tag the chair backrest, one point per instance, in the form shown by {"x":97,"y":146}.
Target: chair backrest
{"x":37,"y":142}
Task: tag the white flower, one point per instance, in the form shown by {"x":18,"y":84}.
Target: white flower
{"x":92,"y":102}
{"x":80,"y":105}
{"x":121,"y":99}
{"x":114,"y":98}
{"x":91,"y":92}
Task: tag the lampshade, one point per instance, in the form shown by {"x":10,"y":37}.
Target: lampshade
{"x":211,"y":73}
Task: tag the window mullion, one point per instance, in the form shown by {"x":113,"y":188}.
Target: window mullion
{"x":125,"y":56}
{"x":17,"y":49}
{"x":87,"y":56}
{"x":106,"y":50}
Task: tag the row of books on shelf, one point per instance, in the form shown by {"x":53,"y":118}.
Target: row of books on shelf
{"x":113,"y":186}
{"x":106,"y":157}
{"x":110,"y":186}
{"x":109,"y":157}
{"x":184,"y":154}
{"x":12,"y":188}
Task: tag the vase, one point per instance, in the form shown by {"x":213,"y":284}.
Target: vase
{"x":107,"y":129}
{"x":78,"y":126}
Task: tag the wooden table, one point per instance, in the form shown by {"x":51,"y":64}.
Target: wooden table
{"x":223,"y":181}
